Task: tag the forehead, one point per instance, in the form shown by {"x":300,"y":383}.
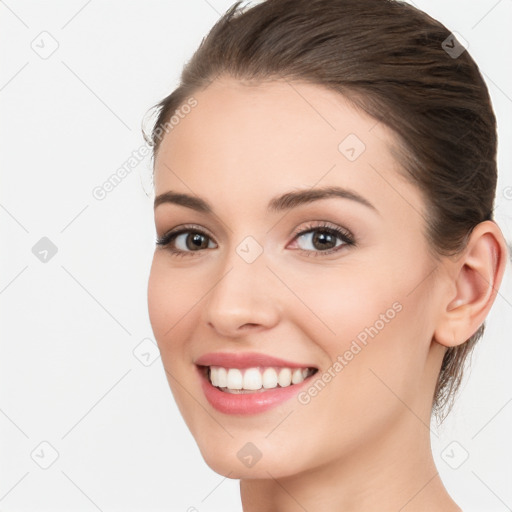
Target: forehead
{"x":256,"y":138}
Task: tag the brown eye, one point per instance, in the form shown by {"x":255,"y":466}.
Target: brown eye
{"x":196,"y":241}
{"x":323,"y":239}
{"x":186,"y":241}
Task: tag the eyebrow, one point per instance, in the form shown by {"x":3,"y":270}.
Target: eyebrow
{"x":280,"y":203}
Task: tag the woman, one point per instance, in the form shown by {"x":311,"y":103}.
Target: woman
{"x":327,"y":255}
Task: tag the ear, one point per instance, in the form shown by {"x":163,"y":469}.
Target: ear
{"x":476,"y":277}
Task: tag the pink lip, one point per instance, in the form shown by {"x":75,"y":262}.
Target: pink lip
{"x":245,"y":360}
{"x":251,"y":403}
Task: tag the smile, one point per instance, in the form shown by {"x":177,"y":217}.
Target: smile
{"x":259,"y":379}
{"x":234,"y":398}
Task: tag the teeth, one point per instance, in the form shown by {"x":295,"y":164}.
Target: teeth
{"x":285,"y":377}
{"x":256,"y":379}
{"x":252,"y":379}
{"x":235,"y":379}
{"x":214,"y":375}
{"x":297,"y":376}
{"x":222,"y":377}
{"x":269,"y":378}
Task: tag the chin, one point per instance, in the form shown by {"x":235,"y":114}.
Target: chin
{"x":231,"y":461}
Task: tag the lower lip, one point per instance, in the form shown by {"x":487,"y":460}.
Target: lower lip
{"x":247,"y":403}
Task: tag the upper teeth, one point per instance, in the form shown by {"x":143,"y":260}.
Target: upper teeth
{"x":256,"y":378}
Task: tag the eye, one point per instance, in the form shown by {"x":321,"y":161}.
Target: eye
{"x":316,"y":240}
{"x":186,"y":240}
{"x":323,"y":239}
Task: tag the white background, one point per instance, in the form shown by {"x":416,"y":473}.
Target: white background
{"x":69,"y":376}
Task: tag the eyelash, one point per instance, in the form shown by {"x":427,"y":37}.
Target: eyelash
{"x":334,"y":230}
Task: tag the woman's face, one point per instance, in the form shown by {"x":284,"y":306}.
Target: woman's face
{"x":276,"y":277}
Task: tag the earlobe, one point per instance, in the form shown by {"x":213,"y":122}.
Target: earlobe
{"x":477,"y":275}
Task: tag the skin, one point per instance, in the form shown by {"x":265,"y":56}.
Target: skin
{"x":363,"y":442}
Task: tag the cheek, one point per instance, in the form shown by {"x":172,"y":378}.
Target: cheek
{"x":373,"y":324}
{"x":170,"y":307}
{"x":341,"y":303}
{"x":364,"y":390}
{"x":366,"y":298}
{"x":171,"y":300}
{"x":159,"y":294}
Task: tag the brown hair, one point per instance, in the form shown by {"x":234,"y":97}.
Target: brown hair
{"x":398,"y":65}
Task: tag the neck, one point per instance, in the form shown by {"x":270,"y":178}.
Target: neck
{"x":395,"y":472}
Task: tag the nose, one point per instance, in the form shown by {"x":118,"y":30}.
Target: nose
{"x":243,"y":298}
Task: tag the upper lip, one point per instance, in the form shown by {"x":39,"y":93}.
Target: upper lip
{"x":245,"y":360}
